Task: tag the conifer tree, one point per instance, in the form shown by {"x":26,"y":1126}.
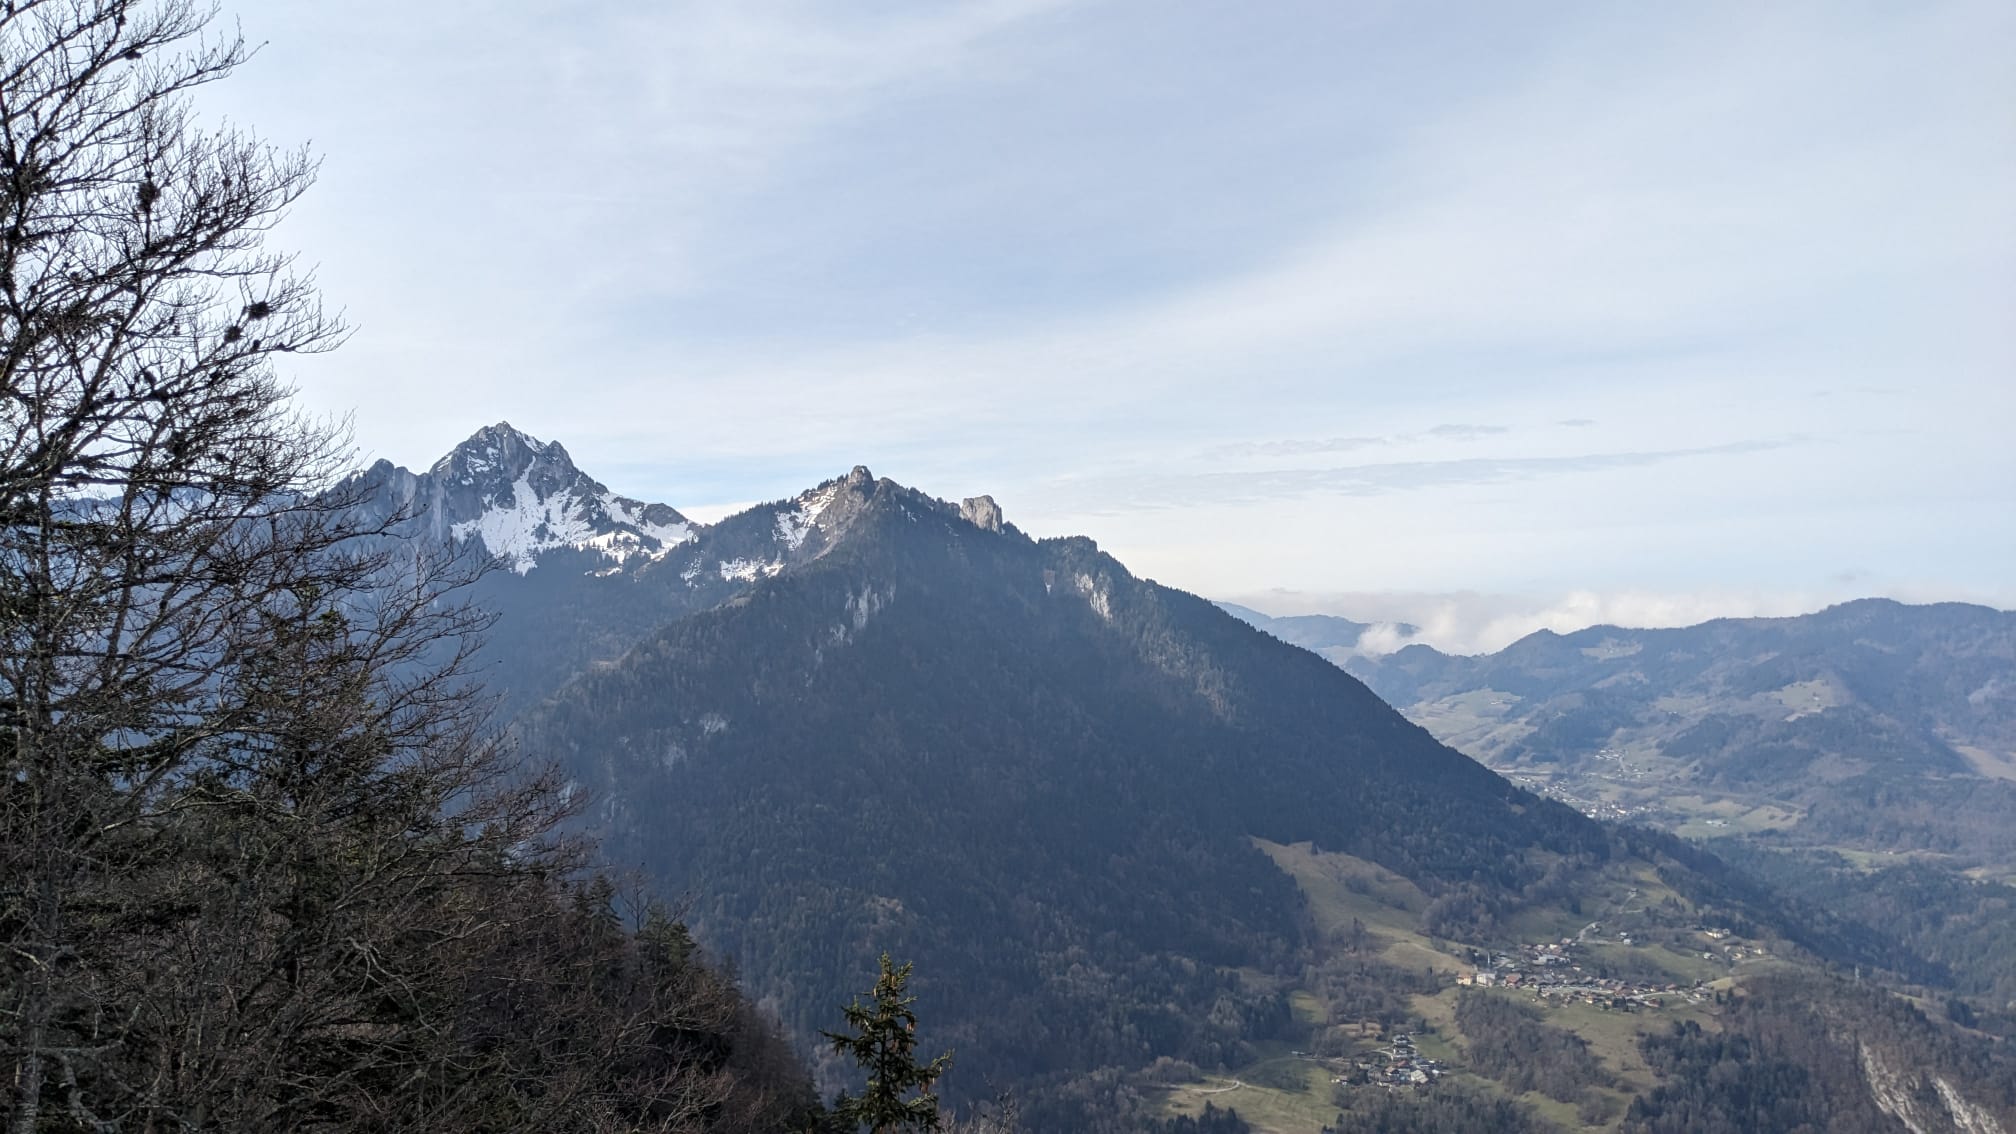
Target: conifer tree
{"x":882,"y":1039}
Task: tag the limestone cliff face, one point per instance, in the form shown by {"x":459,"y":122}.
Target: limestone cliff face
{"x":981,"y":512}
{"x":1924,"y":1101}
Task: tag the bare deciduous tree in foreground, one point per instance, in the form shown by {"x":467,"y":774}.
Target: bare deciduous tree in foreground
{"x":261,"y":867}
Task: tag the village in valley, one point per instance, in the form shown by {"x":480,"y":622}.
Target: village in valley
{"x":1552,"y":972}
{"x":1549,"y":971}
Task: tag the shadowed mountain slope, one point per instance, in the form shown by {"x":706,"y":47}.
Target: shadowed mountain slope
{"x":1031,"y":771}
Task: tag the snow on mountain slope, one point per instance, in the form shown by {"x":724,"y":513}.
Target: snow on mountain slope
{"x":523,"y":497}
{"x":762,"y":541}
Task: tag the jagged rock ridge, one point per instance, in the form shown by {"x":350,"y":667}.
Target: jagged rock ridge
{"x":521,"y":497}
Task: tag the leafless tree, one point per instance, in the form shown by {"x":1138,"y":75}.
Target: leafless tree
{"x":261,"y":866}
{"x":156,"y":497}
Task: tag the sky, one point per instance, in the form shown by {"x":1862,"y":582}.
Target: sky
{"x":1483,"y":316}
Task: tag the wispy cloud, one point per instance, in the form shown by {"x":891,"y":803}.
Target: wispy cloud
{"x":1297,"y":448}
{"x":1468,"y":432}
{"x":1300,"y":447}
{"x":1133,"y":493}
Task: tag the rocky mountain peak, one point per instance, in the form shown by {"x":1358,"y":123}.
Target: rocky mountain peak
{"x":521,"y":497}
{"x":499,"y":453}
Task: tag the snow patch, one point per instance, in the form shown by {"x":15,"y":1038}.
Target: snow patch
{"x":516,"y":530}
{"x":793,"y":526}
{"x":711,"y":723}
{"x":517,"y":526}
{"x":749,"y":570}
{"x":632,"y":512}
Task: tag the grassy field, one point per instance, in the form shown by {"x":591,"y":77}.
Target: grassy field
{"x":1272,"y":1110}
{"x":1996,"y":765}
{"x":1307,"y":1007}
{"x":1711,"y":817}
{"x":1342,"y":890}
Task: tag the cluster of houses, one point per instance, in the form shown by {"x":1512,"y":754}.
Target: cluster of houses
{"x":1600,"y":809}
{"x":1396,"y":1065}
{"x":1549,"y":970}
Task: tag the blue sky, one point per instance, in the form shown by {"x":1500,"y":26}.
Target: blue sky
{"x":1514,"y":314}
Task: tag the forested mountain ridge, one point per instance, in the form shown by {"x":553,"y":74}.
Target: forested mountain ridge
{"x":1946,"y":668}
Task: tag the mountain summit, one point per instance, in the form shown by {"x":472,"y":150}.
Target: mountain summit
{"x":522,"y":497}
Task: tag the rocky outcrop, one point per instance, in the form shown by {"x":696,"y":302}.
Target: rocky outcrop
{"x":981,"y":512}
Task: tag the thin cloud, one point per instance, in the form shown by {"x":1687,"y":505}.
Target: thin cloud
{"x":1468,"y":432}
{"x":1137,"y":493}
{"x":1296,"y":447}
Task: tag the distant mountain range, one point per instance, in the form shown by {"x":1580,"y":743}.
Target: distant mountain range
{"x":1098,"y":813}
{"x":1872,"y":724}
